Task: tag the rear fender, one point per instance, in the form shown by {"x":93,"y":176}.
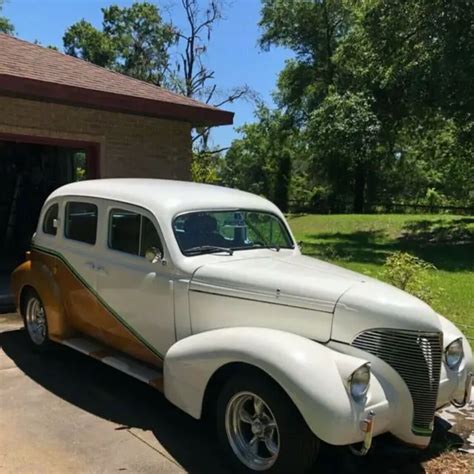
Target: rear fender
{"x":313,"y":376}
{"x":40,"y":275}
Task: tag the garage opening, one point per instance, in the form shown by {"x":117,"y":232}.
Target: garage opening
{"x":29,"y":172}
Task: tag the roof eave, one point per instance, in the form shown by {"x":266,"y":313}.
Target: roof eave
{"x":70,"y":95}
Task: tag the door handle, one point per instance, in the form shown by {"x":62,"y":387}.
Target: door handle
{"x":101,"y":270}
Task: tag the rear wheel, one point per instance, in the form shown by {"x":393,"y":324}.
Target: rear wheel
{"x":260,"y":429}
{"x":34,"y":316}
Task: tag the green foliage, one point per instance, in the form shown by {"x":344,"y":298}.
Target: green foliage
{"x":82,"y":40}
{"x":343,"y":134}
{"x":418,"y":55}
{"x":313,"y":31}
{"x":205,"y":167}
{"x":261,"y":160}
{"x":409,"y":273}
{"x":5,"y":24}
{"x":379,"y":96}
{"x":134,"y":40}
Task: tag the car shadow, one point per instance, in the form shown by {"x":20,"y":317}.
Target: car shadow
{"x":111,"y":395}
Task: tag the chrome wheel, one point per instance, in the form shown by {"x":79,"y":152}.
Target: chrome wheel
{"x":252,"y":431}
{"x":36,"y":321}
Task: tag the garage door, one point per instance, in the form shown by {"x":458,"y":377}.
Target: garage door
{"x":29,"y":172}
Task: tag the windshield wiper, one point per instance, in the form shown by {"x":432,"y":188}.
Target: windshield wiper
{"x":272,"y":247}
{"x":208,"y":249}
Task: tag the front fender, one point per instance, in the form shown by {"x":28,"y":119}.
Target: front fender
{"x":312,"y":375}
{"x":453,"y":382}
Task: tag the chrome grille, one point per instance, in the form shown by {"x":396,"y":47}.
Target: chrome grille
{"x":416,"y":356}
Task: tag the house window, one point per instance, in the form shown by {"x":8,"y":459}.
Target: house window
{"x":49,"y":220}
{"x":132,"y":233}
{"x":81,"y":222}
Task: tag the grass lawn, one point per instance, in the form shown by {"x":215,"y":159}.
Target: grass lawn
{"x":362,"y":243}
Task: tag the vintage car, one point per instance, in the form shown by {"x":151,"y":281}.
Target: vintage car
{"x":202,"y":292}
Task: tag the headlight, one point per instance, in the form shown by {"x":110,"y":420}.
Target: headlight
{"x":359,"y":382}
{"x":454,"y":353}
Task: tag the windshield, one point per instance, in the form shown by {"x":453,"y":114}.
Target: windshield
{"x":227,"y":231}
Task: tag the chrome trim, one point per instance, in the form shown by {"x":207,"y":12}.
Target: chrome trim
{"x":35,"y":320}
{"x":252,"y":431}
{"x":417,"y":357}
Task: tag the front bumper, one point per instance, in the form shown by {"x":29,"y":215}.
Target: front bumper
{"x":367,"y":427}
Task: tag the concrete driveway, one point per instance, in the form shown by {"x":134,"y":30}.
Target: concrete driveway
{"x":64,"y":412}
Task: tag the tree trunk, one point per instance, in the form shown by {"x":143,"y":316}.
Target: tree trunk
{"x":359,"y":189}
{"x":282,"y":181}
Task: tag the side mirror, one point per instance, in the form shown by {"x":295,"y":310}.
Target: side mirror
{"x":154,"y":255}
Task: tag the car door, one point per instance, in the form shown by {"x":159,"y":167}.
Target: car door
{"x":137,"y":291}
{"x":76,"y":274}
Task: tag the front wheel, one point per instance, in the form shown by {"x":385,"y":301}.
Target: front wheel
{"x":34,"y":317}
{"x":260,"y":429}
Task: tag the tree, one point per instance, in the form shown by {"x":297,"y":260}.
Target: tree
{"x":406,"y":67}
{"x":5,"y":25}
{"x":134,"y":41}
{"x":312,"y":29}
{"x":344,"y":133}
{"x":261,"y":161}
{"x":82,"y":40}
{"x":416,"y":55}
{"x":417,"y":60}
{"x":192,"y":77}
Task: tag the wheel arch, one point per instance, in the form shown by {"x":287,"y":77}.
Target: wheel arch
{"x":37,"y":277}
{"x":311,"y":374}
{"x":221,"y":376}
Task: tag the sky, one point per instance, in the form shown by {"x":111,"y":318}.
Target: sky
{"x":233,"y":54}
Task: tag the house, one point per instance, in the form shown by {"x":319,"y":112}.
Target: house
{"x":63,"y":119}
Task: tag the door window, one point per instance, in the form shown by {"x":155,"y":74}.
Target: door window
{"x":49,"y":218}
{"x":132,"y":233}
{"x":81,"y":222}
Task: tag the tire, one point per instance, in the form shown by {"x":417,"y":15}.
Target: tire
{"x":35,"y":321}
{"x":284,"y":442}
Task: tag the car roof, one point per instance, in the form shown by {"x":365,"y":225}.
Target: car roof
{"x":166,"y":197}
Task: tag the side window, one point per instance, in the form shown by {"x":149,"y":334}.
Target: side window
{"x":48,"y":221}
{"x":124,"y":231}
{"x":149,"y":237}
{"x":81,"y":222}
{"x":132,"y":233}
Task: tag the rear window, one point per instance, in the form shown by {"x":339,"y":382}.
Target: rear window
{"x":49,"y":218}
{"x":81,"y":222}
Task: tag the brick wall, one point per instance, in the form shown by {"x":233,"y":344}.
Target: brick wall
{"x":130,"y":145}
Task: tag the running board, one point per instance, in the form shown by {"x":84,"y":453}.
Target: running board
{"x":117,"y":360}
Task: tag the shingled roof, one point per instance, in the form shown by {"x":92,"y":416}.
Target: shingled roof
{"x":32,"y":71}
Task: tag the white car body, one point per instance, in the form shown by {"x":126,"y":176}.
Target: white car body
{"x":306,"y":323}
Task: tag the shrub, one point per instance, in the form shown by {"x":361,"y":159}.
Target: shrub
{"x":411,"y":274}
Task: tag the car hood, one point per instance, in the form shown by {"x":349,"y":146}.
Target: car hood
{"x":352,"y":301}
{"x":294,"y":280}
